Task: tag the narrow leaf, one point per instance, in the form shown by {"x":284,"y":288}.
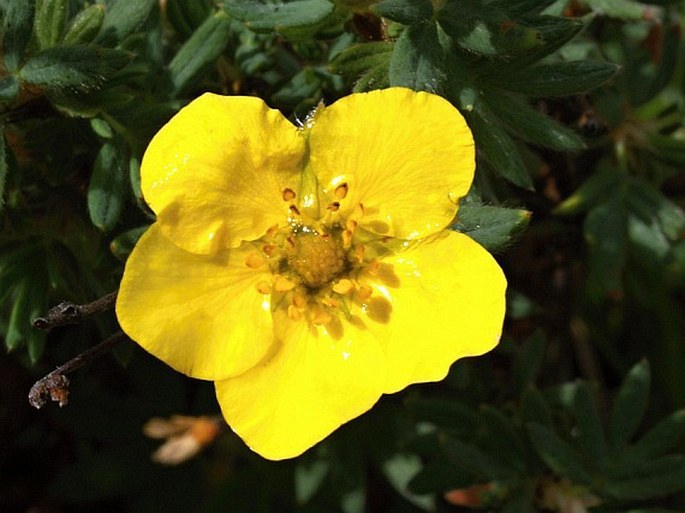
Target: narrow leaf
{"x":17,"y":28}
{"x":476,"y":461}
{"x":49,"y":22}
{"x":495,"y":228}
{"x":123,"y":18}
{"x":85,"y":25}
{"x":106,"y":191}
{"x":558,"y":455}
{"x":3,"y":168}
{"x":417,"y":59}
{"x":606,"y":233}
{"x":534,"y":408}
{"x":531,"y":125}
{"x":497,"y":147}
{"x":407,"y":12}
{"x":591,"y":192}
{"x":629,"y":406}
{"x":309,"y":478}
{"x":280,"y":17}
{"x":75,"y":67}
{"x":658,"y":478}
{"x":559,"y":79}
{"x":660,"y":439}
{"x":589,"y":425}
{"x":199,"y":52}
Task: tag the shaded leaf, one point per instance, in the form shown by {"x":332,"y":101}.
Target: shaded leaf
{"x":591,"y":192}
{"x":483,"y":466}
{"x":629,"y":406}
{"x":558,"y":455}
{"x":606,"y":232}
{"x":417,"y":59}
{"x":400,"y":469}
{"x":308,"y":479}
{"x":85,"y":25}
{"x":279,"y":16}
{"x":497,"y":147}
{"x":107,"y":188}
{"x":658,"y":478}
{"x":17,"y":28}
{"x":49,"y":21}
{"x":588,"y":424}
{"x":559,"y":79}
{"x":123,"y":18}
{"x":407,"y":12}
{"x":199,"y":52}
{"x":73,"y":67}
{"x":495,"y":228}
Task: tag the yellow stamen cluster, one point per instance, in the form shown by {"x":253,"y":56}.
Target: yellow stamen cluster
{"x":314,"y":263}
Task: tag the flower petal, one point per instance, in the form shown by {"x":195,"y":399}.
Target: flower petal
{"x":444,"y":300}
{"x":200,"y":314}
{"x":405,"y":156}
{"x":216,"y":172}
{"x":309,"y":386}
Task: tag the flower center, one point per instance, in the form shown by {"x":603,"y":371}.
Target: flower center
{"x":316,"y":258}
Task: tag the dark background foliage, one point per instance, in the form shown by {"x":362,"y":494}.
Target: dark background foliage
{"x":577,"y":107}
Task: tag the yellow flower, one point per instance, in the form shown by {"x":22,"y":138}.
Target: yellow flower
{"x":308,"y":270}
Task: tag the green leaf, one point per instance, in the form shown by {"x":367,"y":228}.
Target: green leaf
{"x":659,"y":439}
{"x":534,"y":408}
{"x":366,"y":63}
{"x":483,"y":466}
{"x":124,"y":243}
{"x":588,"y":424}
{"x":123,"y":18}
{"x":407,"y":12}
{"x":74,"y":67}
{"x":494,"y":228}
{"x":531,"y":125}
{"x":518,"y":8}
{"x":287,"y":18}
{"x":107,"y":188}
{"x":19,"y":316}
{"x":417,"y":59}
{"x":623,"y":9}
{"x":187,"y":15}
{"x":497,"y":147}
{"x":658,"y":478}
{"x":449,"y":414}
{"x":17,"y":29}
{"x":309,"y":478}
{"x":198,"y":53}
{"x":9,"y":89}
{"x":606,"y":233}
{"x":629,"y":406}
{"x":85,"y":25}
{"x":595,"y":189}
{"x":438,"y":475}
{"x":650,"y":204}
{"x":49,"y":22}
{"x":500,"y":438}
{"x":3,"y":169}
{"x":400,"y":469}
{"x":529,"y":361}
{"x":101,"y":128}
{"x":559,"y":79}
{"x":558,"y":455}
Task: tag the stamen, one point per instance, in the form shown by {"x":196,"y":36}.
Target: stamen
{"x":254,"y":260}
{"x":269,"y":249}
{"x":283,"y":284}
{"x":272,"y":231}
{"x":341,"y":191}
{"x":288,"y":194}
{"x":351,"y":225}
{"x":330,"y":302}
{"x":364,"y":292}
{"x":343,"y":286}
{"x":264,"y":287}
{"x":295,"y":210}
{"x":359,"y":252}
{"x":294,"y":313}
{"x":333,"y":207}
{"x":321,"y":316}
{"x":347,"y":238}
{"x":358,"y":210}
{"x":299,"y":300}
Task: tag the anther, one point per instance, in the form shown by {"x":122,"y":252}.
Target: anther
{"x":288,"y":194}
{"x":272,"y":231}
{"x":295,"y":210}
{"x":333,"y":207}
{"x":283,"y":284}
{"x":359,"y":252}
{"x":264,"y":287}
{"x":359,"y":210}
{"x":321,"y":316}
{"x":347,"y":238}
{"x":351,"y":225}
{"x":343,"y":286}
{"x":341,"y":190}
{"x":299,"y":300}
{"x":330,"y":302}
{"x":294,"y":313}
{"x":269,"y":249}
{"x":254,"y":260}
{"x":364,"y":292}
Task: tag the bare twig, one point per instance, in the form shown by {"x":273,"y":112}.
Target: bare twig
{"x":56,"y":384}
{"x":70,"y":313}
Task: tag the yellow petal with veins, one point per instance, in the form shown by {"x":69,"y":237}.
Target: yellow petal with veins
{"x":407,"y":157}
{"x":215,"y":174}
{"x":305,"y":389}
{"x":200,"y":314}
{"x":439,"y":301}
